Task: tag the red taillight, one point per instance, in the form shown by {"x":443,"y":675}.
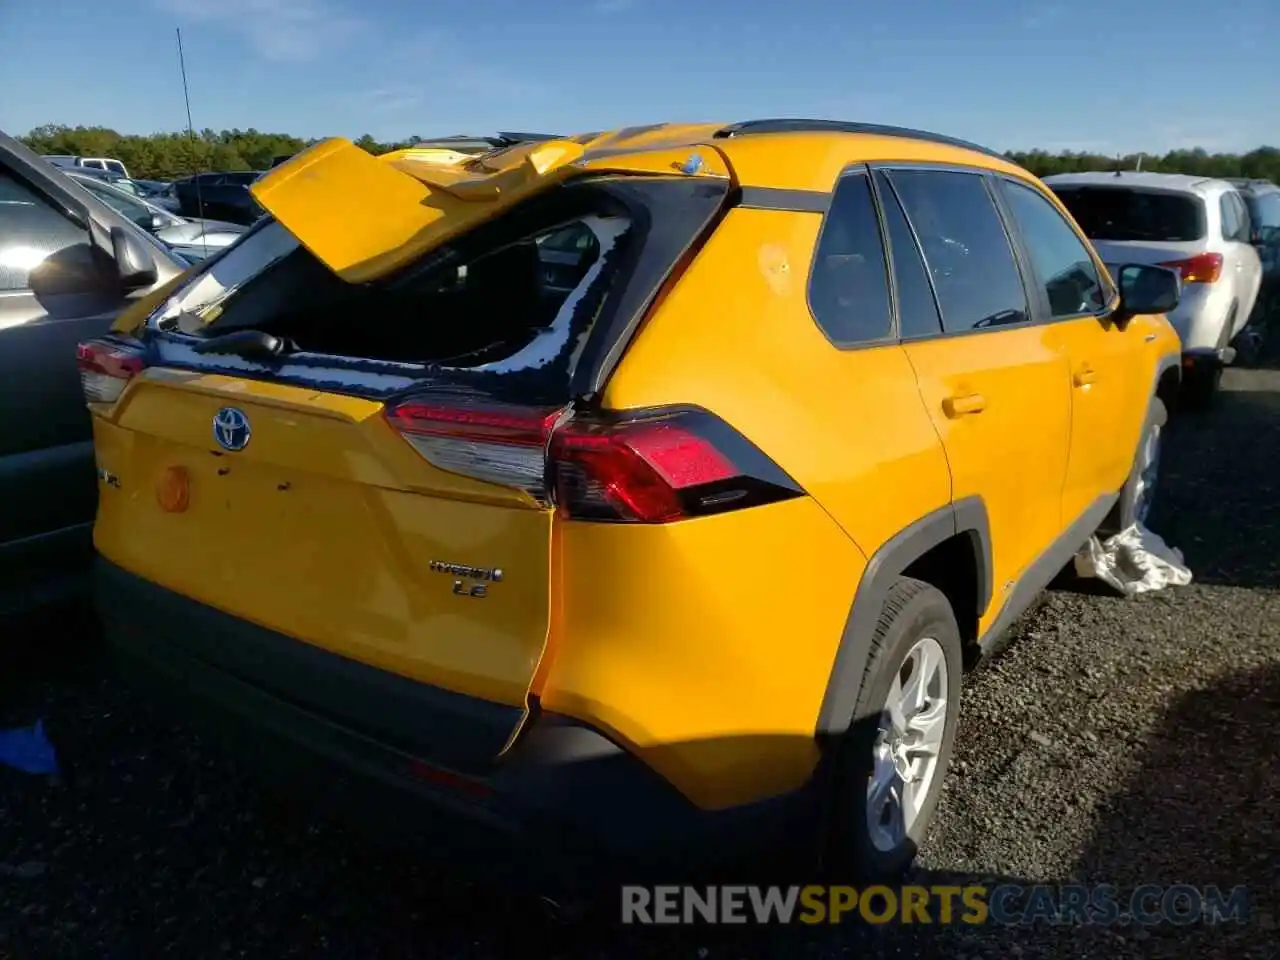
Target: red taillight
{"x":637,"y":471}
{"x":106,"y":367}
{"x":1202,"y":268}
{"x":654,"y":468}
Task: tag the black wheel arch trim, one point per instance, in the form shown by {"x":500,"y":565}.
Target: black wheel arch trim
{"x":1166,"y":363}
{"x":966,"y":516}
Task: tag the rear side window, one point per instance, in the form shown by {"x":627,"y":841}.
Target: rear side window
{"x":917,"y":309}
{"x":1236,"y":223}
{"x":965,"y":246}
{"x":849,"y":286}
{"x":1230,"y":217}
{"x":1126,"y":213}
{"x":1063,"y":267}
{"x":35,"y":238}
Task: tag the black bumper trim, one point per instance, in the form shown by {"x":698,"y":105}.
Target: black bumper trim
{"x":454,"y":730}
{"x":564,"y":793}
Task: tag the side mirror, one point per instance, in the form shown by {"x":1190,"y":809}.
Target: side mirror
{"x":135,"y":266}
{"x":1147,"y":289}
{"x":158,"y":222}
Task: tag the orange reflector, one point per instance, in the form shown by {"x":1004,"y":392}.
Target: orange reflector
{"x":173,"y":490}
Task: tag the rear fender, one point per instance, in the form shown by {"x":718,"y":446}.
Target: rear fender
{"x":885,"y":566}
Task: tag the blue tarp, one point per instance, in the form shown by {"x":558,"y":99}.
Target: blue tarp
{"x":28,"y":749}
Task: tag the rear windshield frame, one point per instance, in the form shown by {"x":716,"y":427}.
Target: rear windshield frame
{"x":1196,"y":224}
{"x":668,"y":215}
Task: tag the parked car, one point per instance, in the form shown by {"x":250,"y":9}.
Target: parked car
{"x":123,"y":184}
{"x":191,"y":239}
{"x":68,"y":265}
{"x":524,"y":552}
{"x":218,"y":196}
{"x":105,"y":164}
{"x":1195,"y":225}
{"x":166,"y":196}
{"x":148,"y":189}
{"x":1263,"y":199}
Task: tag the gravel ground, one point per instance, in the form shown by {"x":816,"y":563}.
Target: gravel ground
{"x":1114,"y":741}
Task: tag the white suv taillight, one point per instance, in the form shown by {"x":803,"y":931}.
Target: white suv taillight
{"x":106,"y":367}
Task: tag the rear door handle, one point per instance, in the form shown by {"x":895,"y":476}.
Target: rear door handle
{"x":964,"y":405}
{"x":1084,"y":377}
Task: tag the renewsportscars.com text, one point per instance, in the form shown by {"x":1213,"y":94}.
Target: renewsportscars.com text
{"x":1007,"y":904}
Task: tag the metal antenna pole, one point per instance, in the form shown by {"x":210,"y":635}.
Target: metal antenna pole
{"x":191,"y":133}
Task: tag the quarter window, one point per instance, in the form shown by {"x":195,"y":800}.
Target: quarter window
{"x":1230,"y":217}
{"x":965,"y":247}
{"x":32,"y":235}
{"x":1064,"y":269}
{"x":1246,"y":221}
{"x":849,"y":288}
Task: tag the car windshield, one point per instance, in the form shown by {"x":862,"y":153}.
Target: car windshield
{"x":1126,"y":213}
{"x":140,"y":213}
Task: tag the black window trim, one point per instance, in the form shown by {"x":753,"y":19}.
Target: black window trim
{"x":1044,"y":310}
{"x":1016,"y":250}
{"x":1037,"y":299}
{"x":891,"y":337}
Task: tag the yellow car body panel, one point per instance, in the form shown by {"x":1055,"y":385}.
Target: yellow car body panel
{"x":365,"y":218}
{"x":1004,"y":448}
{"x":345,"y":520}
{"x":769,"y":160}
{"x":847,"y":423}
{"x":693,"y":651}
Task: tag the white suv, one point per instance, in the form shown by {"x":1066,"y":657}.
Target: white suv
{"x":1197,"y":226}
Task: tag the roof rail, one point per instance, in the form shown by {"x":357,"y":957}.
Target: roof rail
{"x":843,"y":126}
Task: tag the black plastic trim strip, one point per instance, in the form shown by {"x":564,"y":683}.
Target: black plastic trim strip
{"x":792,"y":201}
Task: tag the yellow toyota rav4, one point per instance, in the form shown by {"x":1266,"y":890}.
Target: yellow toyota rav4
{"x":623,"y":491}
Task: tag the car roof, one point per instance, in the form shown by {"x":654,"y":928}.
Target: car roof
{"x":1181,"y":182}
{"x":1247,"y":185}
{"x":786,"y":153}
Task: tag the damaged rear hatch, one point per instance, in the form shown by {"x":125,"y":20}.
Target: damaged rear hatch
{"x":336,"y":427}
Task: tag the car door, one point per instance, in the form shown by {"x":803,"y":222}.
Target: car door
{"x":995,"y":384}
{"x":1241,"y":258}
{"x":1107,"y":391}
{"x":54,"y":291}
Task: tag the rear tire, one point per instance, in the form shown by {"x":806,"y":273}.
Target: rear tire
{"x":1200,"y":384}
{"x":1138,"y":493}
{"x":890,"y":766}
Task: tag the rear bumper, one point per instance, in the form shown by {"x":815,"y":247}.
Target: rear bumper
{"x":562,"y":802}
{"x":1201,"y":315}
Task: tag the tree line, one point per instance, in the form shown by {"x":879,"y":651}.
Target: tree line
{"x":167,"y":156}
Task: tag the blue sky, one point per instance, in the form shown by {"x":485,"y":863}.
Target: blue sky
{"x":1100,"y":75}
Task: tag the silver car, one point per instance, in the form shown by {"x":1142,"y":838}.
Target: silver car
{"x":190,"y":238}
{"x":1197,"y":226}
